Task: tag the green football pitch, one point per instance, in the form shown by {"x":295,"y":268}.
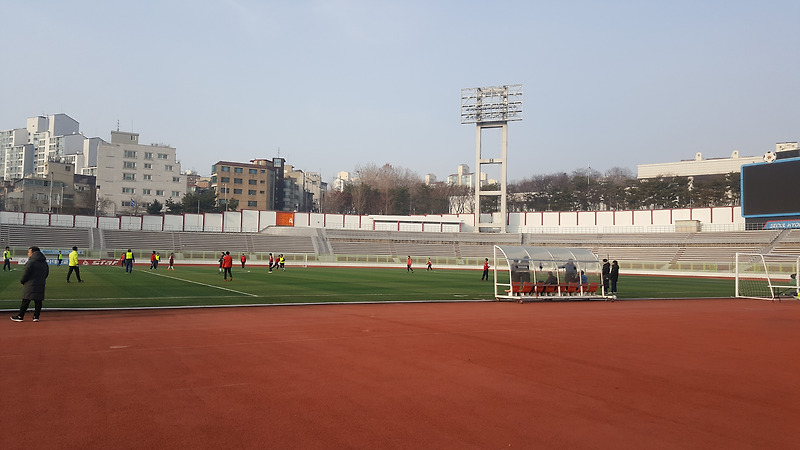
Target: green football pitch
{"x":111,"y":287}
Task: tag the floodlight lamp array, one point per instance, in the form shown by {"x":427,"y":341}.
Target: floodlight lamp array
{"x":491,"y":104}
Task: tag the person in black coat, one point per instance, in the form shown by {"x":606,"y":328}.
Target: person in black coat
{"x":614,"y":276}
{"x":33,"y":282}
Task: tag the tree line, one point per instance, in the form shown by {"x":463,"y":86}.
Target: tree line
{"x":390,"y":190}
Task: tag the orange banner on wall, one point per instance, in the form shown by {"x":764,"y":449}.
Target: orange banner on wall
{"x":284,"y":219}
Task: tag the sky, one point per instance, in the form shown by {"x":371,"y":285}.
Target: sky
{"x":336,"y":85}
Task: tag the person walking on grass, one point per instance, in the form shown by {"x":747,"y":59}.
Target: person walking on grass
{"x":271,"y":262}
{"x":282,"y":262}
{"x":485,"y":275}
{"x":430,"y":267}
{"x":60,"y":258}
{"x":171,"y":261}
{"x":227,"y":264}
{"x":73,"y":265}
{"x":33,"y":282}
{"x":243,"y":259}
{"x":6,"y":259}
{"x":408,"y":265}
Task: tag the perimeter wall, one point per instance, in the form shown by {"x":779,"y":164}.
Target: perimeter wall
{"x":251,"y":221}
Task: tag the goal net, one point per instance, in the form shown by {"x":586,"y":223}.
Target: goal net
{"x":767,"y":276}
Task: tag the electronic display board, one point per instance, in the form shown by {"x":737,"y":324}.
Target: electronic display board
{"x":771,"y":189}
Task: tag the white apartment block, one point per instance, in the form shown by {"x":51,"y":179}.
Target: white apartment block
{"x":15,"y":149}
{"x":131,"y":175}
{"x":343,"y":178}
{"x":53,"y":136}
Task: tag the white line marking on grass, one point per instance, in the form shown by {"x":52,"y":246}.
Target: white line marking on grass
{"x":204,"y":284}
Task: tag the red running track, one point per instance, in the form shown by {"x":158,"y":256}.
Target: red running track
{"x":702,"y":374}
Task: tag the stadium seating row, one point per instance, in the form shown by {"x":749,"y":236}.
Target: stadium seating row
{"x":665,"y":248}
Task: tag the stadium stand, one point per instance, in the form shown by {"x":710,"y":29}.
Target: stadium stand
{"x":653,"y":250}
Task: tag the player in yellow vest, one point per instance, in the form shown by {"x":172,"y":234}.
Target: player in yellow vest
{"x":6,"y":259}
{"x":129,"y":259}
{"x":73,"y":265}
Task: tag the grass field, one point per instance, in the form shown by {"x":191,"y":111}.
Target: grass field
{"x":111,"y":287}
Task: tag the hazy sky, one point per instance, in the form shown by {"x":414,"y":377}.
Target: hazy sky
{"x":338,"y":84}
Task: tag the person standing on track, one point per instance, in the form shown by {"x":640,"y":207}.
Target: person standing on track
{"x":227,"y":264}
{"x":73,"y":265}
{"x":33,"y":283}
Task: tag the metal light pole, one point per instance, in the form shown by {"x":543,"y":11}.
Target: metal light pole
{"x":50,"y":197}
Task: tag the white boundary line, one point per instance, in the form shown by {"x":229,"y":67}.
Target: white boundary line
{"x":204,"y":284}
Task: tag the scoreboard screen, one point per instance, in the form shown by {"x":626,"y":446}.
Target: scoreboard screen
{"x":771,"y":189}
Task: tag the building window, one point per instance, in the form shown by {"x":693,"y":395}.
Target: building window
{"x":145,"y":191}
{"x":159,"y":192}
{"x":128,"y":165}
{"x":176,"y":179}
{"x":252,"y":182}
{"x":237,"y":181}
{"x":163,"y":156}
{"x":128,"y":190}
{"x":237,"y":191}
{"x":129,"y":154}
{"x":148,"y":155}
{"x":148,"y":166}
{"x":252,"y":203}
{"x":147,"y":176}
{"x":129,"y":176}
{"x":238,"y":170}
{"x":224,"y":180}
{"x":225,"y":169}
{"x":176,"y":194}
{"x":252,"y":171}
{"x":168,"y":168}
{"x":251,"y":192}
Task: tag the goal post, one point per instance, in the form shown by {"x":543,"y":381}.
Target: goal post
{"x":767,"y":276}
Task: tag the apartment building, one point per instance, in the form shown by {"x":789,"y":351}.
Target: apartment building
{"x":131,"y":175}
{"x":60,"y":190}
{"x":245,"y":185}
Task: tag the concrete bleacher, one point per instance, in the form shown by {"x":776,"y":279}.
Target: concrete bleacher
{"x":657,"y":249}
{"x":21,"y":236}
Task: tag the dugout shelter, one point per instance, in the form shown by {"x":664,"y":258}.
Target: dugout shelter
{"x":525,"y":273}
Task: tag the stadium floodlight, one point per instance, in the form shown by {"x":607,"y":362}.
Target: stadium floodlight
{"x":491,"y":107}
{"x":491,"y":104}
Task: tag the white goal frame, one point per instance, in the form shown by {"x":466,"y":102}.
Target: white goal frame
{"x":767,"y":276}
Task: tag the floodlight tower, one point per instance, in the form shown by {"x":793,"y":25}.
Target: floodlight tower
{"x":491,"y":107}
